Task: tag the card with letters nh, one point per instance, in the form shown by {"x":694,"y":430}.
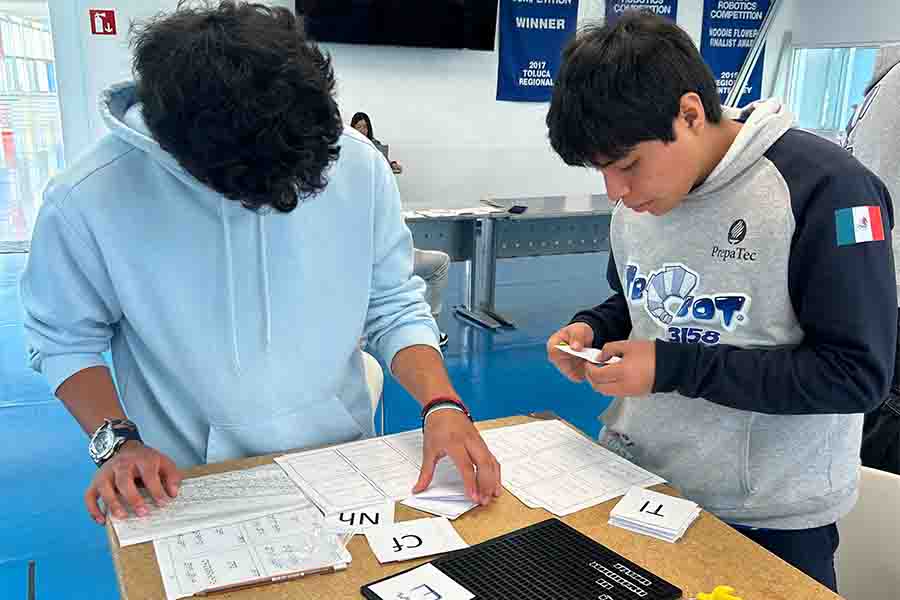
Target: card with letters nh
{"x":362,"y":519}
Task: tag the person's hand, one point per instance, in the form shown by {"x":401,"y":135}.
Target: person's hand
{"x":450,"y":433}
{"x":396,"y":167}
{"x":634,"y":375}
{"x":116,"y":482}
{"x":577,"y":335}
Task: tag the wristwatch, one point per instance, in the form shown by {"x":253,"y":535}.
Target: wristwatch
{"x":109,"y":437}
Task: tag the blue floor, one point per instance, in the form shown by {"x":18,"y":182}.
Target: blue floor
{"x":44,"y":467}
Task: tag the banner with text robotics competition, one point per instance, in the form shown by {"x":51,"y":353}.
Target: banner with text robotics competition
{"x":729,"y":29}
{"x":663,"y":8}
{"x":532,"y":36}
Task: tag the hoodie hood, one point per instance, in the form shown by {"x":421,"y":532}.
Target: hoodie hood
{"x":123,"y":115}
{"x":888,"y":57}
{"x":764,"y":124}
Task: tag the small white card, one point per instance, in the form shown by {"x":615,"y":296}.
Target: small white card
{"x":413,"y":539}
{"x":422,"y":583}
{"x":592,"y":355}
{"x":651,"y":513}
{"x":656,"y":510}
{"x":452,"y":509}
{"x":363,"y":519}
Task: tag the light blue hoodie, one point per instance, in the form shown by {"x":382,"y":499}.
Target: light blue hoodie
{"x":233,"y":333}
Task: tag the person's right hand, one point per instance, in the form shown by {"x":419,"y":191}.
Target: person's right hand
{"x":577,"y":335}
{"x":117,"y":482}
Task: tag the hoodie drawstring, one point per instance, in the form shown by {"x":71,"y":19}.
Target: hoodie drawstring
{"x":264,"y":259}
{"x":226,"y":232}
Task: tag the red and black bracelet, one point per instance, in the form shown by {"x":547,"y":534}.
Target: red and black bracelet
{"x":444,"y":401}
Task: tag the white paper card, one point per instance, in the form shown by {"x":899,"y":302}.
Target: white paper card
{"x":361,"y":519}
{"x":422,"y":583}
{"x":591,"y":355}
{"x":451,"y":509}
{"x":413,"y":539}
{"x":654,"y":514}
{"x":655,"y":510}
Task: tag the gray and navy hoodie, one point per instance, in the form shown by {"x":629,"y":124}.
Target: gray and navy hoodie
{"x":770,"y":293}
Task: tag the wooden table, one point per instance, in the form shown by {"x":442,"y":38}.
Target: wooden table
{"x":710,"y":553}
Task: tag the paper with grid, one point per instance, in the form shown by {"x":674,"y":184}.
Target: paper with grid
{"x":275,"y":546}
{"x":350,"y":476}
{"x":213,"y":500}
{"x":547,"y":464}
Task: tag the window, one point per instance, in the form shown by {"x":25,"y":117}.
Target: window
{"x":826,"y":85}
{"x":30,"y":129}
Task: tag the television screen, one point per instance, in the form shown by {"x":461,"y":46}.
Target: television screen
{"x":432,"y":23}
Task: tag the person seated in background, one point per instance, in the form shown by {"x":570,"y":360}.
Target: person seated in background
{"x":231,"y":243}
{"x":749,"y":347}
{"x":363,"y":124}
{"x":432,"y":266}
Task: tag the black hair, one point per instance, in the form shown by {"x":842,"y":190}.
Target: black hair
{"x":242,"y":100}
{"x":361,"y":116}
{"x":621,"y":84}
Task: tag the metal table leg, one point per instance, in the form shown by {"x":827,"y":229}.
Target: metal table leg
{"x":481,"y":279}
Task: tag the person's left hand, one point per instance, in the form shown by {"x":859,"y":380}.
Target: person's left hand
{"x":450,"y":433}
{"x":634,"y":375}
{"x":396,"y":167}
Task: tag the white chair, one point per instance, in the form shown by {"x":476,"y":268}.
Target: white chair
{"x":867,"y":561}
{"x":375,"y":383}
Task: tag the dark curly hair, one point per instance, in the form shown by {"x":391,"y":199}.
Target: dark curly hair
{"x":621,"y":84}
{"x":241,"y":99}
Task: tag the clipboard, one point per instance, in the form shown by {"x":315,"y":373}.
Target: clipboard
{"x":547,"y":560}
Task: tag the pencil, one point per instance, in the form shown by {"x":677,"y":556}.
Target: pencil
{"x":252,"y":583}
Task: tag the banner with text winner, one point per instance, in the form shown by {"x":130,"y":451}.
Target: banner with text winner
{"x":532,"y":35}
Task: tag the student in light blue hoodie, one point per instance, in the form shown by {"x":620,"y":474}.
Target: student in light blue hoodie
{"x":231,"y":244}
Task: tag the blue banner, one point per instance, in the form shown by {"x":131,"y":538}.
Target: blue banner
{"x":532,"y":35}
{"x":729,"y":29}
{"x":663,"y":8}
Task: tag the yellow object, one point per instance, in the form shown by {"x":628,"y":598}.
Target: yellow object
{"x":722,"y":592}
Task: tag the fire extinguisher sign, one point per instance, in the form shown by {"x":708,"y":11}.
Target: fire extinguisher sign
{"x":103,"y":22}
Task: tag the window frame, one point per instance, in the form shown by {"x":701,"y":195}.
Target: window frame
{"x":789,"y":88}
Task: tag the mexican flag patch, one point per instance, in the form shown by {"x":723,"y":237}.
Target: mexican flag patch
{"x":858,"y":224}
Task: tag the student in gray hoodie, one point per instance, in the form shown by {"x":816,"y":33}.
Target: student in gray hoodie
{"x":752,"y":278}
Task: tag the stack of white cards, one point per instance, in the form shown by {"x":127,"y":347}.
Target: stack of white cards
{"x":651,"y":513}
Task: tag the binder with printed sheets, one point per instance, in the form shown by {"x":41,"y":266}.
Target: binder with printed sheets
{"x":546,"y":561}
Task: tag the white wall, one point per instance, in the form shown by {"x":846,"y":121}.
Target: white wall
{"x":845,"y":22}
{"x":86,"y":64}
{"x":438,"y":112}
{"x":436,"y":109}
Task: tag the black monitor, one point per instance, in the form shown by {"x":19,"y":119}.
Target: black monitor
{"x":430,"y":23}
